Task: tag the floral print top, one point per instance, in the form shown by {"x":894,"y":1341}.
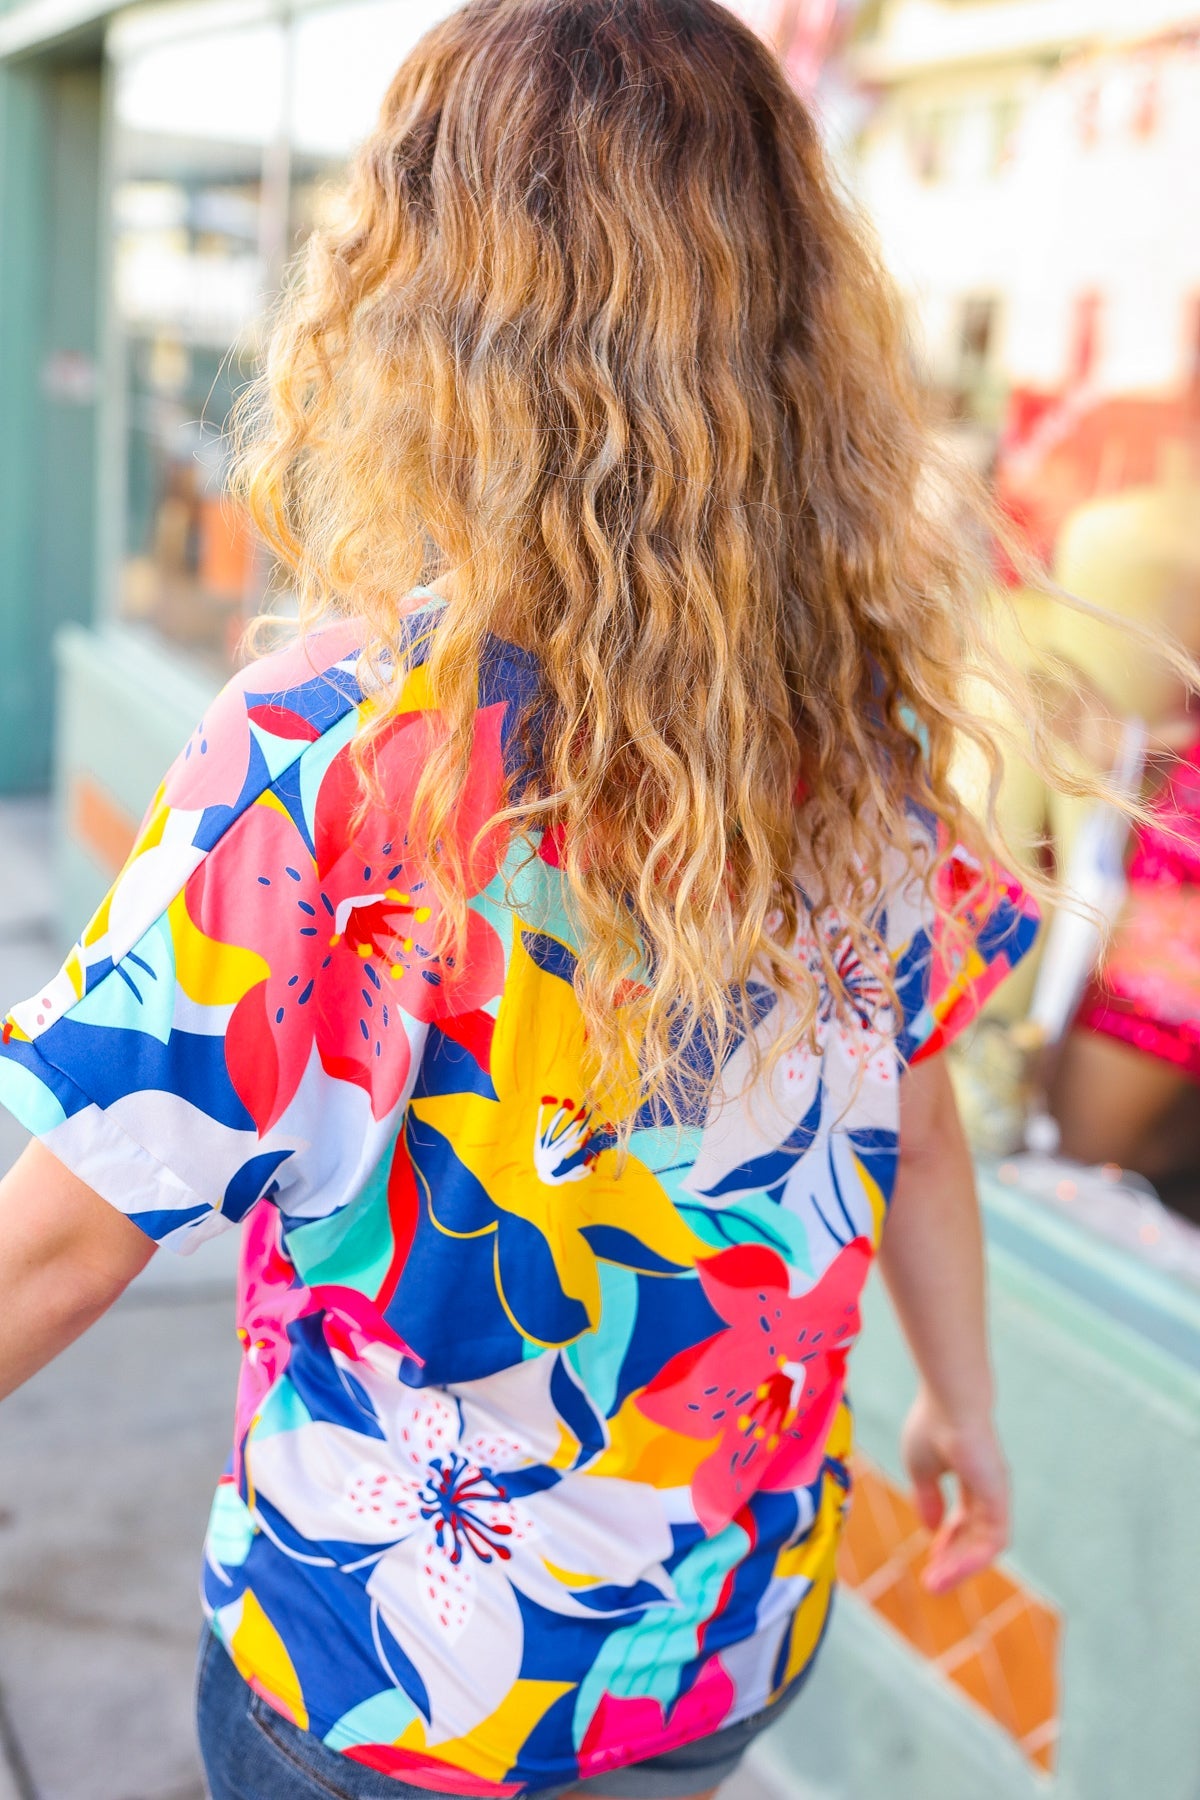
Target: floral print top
{"x":538,"y":1467}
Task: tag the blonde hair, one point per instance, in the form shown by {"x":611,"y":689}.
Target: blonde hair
{"x":598,"y":344}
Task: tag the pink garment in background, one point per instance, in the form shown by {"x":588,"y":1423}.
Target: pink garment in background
{"x":1148,"y":992}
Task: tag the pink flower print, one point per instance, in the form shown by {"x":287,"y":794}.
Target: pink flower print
{"x":354,"y":1325}
{"x":961,"y":973}
{"x":347,"y":934}
{"x":211,"y":768}
{"x":268,"y":1300}
{"x":766,"y":1389}
{"x":623,"y":1728}
{"x":383,"y":916}
{"x":467,"y":1522}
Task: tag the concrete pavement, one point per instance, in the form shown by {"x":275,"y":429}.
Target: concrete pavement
{"x":107,"y":1463}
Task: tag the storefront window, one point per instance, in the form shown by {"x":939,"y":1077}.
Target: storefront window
{"x":226,"y":138}
{"x":195,"y":121}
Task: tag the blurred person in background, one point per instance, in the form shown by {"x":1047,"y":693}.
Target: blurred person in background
{"x":1033,"y":176}
{"x":1125,"y":1085}
{"x":1120,"y":1068}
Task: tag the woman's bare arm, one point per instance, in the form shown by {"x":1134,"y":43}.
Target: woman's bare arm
{"x":932,"y":1261}
{"x":67,"y":1255}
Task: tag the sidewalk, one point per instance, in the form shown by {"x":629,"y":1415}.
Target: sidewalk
{"x":107,"y":1462}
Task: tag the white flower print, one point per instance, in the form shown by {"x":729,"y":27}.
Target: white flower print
{"x":757,"y":1133}
{"x":450,"y":1546}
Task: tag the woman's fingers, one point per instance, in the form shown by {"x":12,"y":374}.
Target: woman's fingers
{"x":926,"y":1466}
{"x":975,"y":1529}
{"x":929,"y":1500}
{"x":969,"y":1539}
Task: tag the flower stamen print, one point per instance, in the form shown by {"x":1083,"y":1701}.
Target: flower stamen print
{"x":776,"y":1402}
{"x":448,"y":1505}
{"x":432,"y":1503}
{"x":860,"y":984}
{"x":380,"y":928}
{"x":561,"y":1142}
{"x":451,"y":1498}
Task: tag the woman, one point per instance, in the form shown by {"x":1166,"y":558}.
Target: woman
{"x":1123,"y":1084}
{"x":1124,"y":1090}
{"x":546,"y":956}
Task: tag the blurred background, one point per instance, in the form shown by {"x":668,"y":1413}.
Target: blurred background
{"x":1032,"y":171}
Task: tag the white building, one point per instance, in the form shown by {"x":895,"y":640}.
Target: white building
{"x":1033,"y":169}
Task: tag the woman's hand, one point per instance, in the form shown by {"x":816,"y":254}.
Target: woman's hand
{"x":975,"y":1529}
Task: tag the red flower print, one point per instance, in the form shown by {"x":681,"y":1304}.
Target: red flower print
{"x":347,"y":932}
{"x":767,"y":1388}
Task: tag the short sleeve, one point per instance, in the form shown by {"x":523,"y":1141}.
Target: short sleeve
{"x":105,"y":1066}
{"x":121,"y":1062}
{"x":945,"y":973}
{"x":246,"y":1016}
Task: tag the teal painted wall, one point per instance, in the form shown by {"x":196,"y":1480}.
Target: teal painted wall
{"x":23,"y":211}
{"x":68,"y":489}
{"x":126,"y":709}
{"x":49,"y":219}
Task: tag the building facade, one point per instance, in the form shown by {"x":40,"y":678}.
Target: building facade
{"x":158,"y":167}
{"x":1033,"y":170}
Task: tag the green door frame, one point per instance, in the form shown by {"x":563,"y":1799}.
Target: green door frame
{"x":50,"y":358}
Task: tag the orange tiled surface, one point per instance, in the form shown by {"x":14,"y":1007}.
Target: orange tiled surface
{"x":997,"y":1642}
{"x":100,"y":823}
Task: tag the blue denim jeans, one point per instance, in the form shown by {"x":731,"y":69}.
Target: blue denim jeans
{"x":252,"y":1753}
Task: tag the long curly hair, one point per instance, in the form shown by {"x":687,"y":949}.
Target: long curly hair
{"x":598,"y":348}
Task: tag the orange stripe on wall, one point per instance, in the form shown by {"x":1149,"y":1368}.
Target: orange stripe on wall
{"x":103,"y":827}
{"x":993,"y":1639}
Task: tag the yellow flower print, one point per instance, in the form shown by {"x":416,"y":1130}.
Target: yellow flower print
{"x":549,"y":1174}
